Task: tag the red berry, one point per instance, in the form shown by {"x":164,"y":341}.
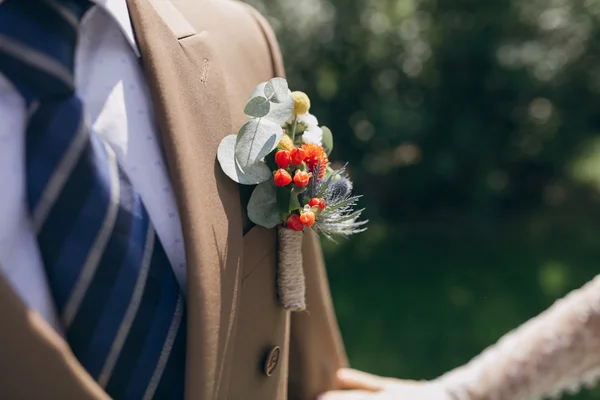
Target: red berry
{"x":282,"y":177}
{"x":317,"y":202}
{"x":283,"y":158}
{"x":298,"y":155}
{"x":301,"y":178}
{"x":307,"y":218}
{"x":294,"y":223}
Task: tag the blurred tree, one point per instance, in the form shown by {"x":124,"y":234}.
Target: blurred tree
{"x":472,"y":128}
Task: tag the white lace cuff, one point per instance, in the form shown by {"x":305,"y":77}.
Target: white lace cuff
{"x":555,"y":352}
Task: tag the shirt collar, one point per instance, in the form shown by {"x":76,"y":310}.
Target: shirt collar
{"x":118,"y":10}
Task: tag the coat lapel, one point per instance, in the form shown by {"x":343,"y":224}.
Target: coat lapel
{"x":36,"y":362}
{"x":193,"y":114}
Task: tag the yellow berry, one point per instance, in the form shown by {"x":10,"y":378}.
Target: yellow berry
{"x":286,"y":143}
{"x":301,"y":103}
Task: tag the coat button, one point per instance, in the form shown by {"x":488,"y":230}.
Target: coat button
{"x":272,"y":360}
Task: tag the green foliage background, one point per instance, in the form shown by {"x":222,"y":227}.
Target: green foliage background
{"x":471,"y":127}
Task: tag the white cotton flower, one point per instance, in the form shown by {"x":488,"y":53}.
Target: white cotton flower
{"x":313,"y":133}
{"x":308,"y":119}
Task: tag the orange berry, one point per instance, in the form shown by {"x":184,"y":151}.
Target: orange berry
{"x":316,"y":202}
{"x":298,"y":155}
{"x":282,"y":177}
{"x":301,"y":178}
{"x":294,"y":223}
{"x":283,"y":158}
{"x":322,"y":205}
{"x":307,"y":218}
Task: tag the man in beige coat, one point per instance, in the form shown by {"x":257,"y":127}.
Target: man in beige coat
{"x":200,"y":60}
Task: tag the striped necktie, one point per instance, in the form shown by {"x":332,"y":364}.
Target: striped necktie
{"x":120,"y":304}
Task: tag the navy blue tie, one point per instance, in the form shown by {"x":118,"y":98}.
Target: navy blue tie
{"x":121,"y":307}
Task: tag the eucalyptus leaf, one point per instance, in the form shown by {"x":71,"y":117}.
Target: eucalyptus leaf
{"x":257,"y":107}
{"x":256,"y":139}
{"x":280,"y":112}
{"x":263,"y":209}
{"x":253,"y":175}
{"x":327,"y":140}
{"x":276,"y":90}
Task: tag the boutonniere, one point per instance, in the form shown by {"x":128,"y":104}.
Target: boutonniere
{"x":283,"y":150}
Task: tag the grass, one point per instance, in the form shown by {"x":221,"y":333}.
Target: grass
{"x":416,"y":301}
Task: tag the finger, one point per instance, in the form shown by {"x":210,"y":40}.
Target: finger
{"x":346,"y":395}
{"x":352,"y":379}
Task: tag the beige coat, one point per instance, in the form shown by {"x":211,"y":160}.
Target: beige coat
{"x":202,"y":58}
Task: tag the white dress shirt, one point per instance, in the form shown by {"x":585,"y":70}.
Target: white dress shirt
{"x":111,"y":83}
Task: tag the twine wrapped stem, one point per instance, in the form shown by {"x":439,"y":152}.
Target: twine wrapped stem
{"x":290,"y":275}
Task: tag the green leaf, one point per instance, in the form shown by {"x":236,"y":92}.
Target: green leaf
{"x":288,"y":198}
{"x":276,"y":90}
{"x":300,"y":128}
{"x":262,"y":207}
{"x":294,"y":202}
{"x":256,"y":139}
{"x":257,"y":107}
{"x":253,"y":175}
{"x":270,"y":161}
{"x":327,"y":140}
{"x":283,"y":199}
{"x":280,"y":112}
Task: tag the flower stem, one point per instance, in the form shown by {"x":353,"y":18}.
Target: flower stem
{"x":294,"y":128}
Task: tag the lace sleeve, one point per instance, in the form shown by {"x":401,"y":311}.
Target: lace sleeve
{"x":557,"y":351}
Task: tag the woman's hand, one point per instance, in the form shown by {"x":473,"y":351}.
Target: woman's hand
{"x":357,"y":385}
